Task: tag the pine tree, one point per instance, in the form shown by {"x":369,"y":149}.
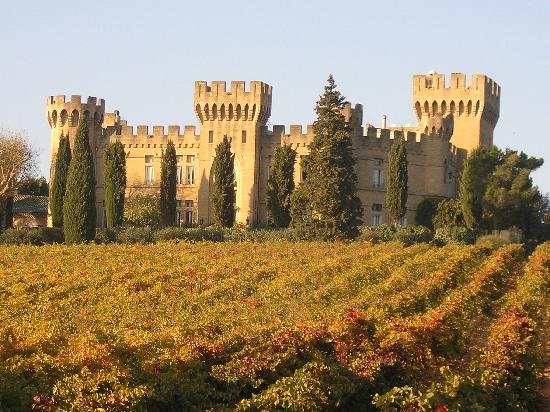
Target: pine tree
{"x":478,"y":167}
{"x":79,"y":211}
{"x":62,"y":162}
{"x":398,"y":179}
{"x":326,"y":205}
{"x":223,"y":193}
{"x":280,"y":186}
{"x":168,"y":186}
{"x":115,"y":183}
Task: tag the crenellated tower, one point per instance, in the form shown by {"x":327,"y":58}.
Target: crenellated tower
{"x":63,"y":116}
{"x":242,"y":115}
{"x":474,"y":108}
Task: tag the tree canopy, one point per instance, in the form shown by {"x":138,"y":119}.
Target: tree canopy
{"x":223,"y":191}
{"x":280,"y":186}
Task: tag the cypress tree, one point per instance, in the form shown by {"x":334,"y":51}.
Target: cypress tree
{"x":478,"y":168}
{"x":62,"y":162}
{"x":326,"y":205}
{"x":115,"y":183}
{"x":79,"y":211}
{"x":398,"y":178}
{"x":223,"y":193}
{"x":280,"y":186}
{"x":168,"y":186}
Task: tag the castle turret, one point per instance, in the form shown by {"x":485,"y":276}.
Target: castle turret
{"x":242,"y":116}
{"x":475,"y":108}
{"x":63,"y":116}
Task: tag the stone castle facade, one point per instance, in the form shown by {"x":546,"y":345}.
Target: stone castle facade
{"x":452,"y":120}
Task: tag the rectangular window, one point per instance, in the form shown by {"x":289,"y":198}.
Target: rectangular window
{"x":179,"y":175}
{"x":376,"y":220}
{"x":378,"y":178}
{"x":211,"y":136}
{"x":190,"y":175}
{"x":149,"y":175}
{"x":189,"y":217}
{"x":243,"y":136}
{"x":179,"y":159}
{"x":178,"y":203}
{"x":190,"y":158}
{"x":188,"y":203}
{"x":149,"y":158}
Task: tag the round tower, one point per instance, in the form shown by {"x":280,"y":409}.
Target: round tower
{"x":474,"y":108}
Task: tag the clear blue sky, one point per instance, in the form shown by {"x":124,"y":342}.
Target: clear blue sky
{"x":143,"y":57}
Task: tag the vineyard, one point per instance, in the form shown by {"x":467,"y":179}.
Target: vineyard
{"x":274,"y":326}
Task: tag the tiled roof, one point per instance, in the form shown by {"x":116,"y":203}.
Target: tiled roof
{"x":30,"y":204}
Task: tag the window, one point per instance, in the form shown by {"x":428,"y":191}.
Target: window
{"x":190,"y":158}
{"x":190,"y":175}
{"x":179,"y":159}
{"x":376,"y":219}
{"x":188,"y":203}
{"x":377,"y":207}
{"x":243,"y":136}
{"x":189,"y":217}
{"x":149,"y":158}
{"x":178,"y":203}
{"x":211,"y":136}
{"x":149,"y":175}
{"x":378,"y":178}
{"x":179,"y":175}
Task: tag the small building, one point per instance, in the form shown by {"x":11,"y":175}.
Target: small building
{"x":30,"y":211}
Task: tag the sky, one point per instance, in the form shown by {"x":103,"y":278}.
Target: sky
{"x":143,"y":58}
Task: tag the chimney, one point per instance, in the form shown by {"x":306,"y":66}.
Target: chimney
{"x":384,"y":120}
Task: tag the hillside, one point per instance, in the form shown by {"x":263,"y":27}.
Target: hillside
{"x":271,"y":326}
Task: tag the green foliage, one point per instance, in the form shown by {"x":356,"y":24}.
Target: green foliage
{"x":280,"y":186}
{"x":79,"y":210}
{"x":478,"y":168}
{"x":6,"y":211}
{"x":33,"y":186}
{"x":115,"y":183}
{"x":448,"y":213}
{"x":407,"y":235}
{"x":168,"y":186}
{"x":326,"y":205}
{"x":223,"y":192}
{"x":454,"y":234}
{"x":132,"y":235}
{"x":398,"y":179}
{"x":195,"y":234}
{"x":142,"y":211}
{"x":425,"y":212}
{"x":61,"y":171}
{"x":24,"y":236}
{"x":510,"y":198}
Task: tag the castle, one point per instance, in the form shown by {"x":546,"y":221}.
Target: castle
{"x":452,"y":120}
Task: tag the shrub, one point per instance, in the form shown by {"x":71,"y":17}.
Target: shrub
{"x":21,"y":237}
{"x":425,"y":212}
{"x":494,"y":241}
{"x":413,"y":234}
{"x":135,"y":235}
{"x":448,"y":213}
{"x":190,"y":234}
{"x":454,"y":234}
{"x":239,"y":234}
{"x":104,"y":236}
{"x":141,"y":211}
{"x":376,"y":234}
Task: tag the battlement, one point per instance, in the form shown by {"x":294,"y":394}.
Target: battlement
{"x":62,"y":111}
{"x":214,"y":103}
{"x":156,"y":133}
{"x":436,"y":82}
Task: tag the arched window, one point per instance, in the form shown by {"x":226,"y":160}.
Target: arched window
{"x":214,"y":111}
{"x":54,"y":118}
{"x":469,"y":109}
{"x":64,"y":117}
{"x":443,"y":107}
{"x":418,"y":110}
{"x":230,"y":111}
{"x":477,"y":107}
{"x":199,"y":112}
{"x":453,"y":107}
{"x":222,"y":112}
{"x":460,"y":108}
{"x":238,"y":112}
{"x":246,"y":111}
{"x":434,"y":108}
{"x":206,"y":112}
{"x":253,"y":112}
{"x":427,"y":108}
{"x":75,"y":117}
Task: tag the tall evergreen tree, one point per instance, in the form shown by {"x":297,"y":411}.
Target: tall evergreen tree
{"x":61,"y":170}
{"x":280,"y":186}
{"x":168,"y":186}
{"x":115,"y":183}
{"x":223,"y":193}
{"x":398,"y":180}
{"x":79,"y":211}
{"x":326,"y":205}
{"x":478,"y":167}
